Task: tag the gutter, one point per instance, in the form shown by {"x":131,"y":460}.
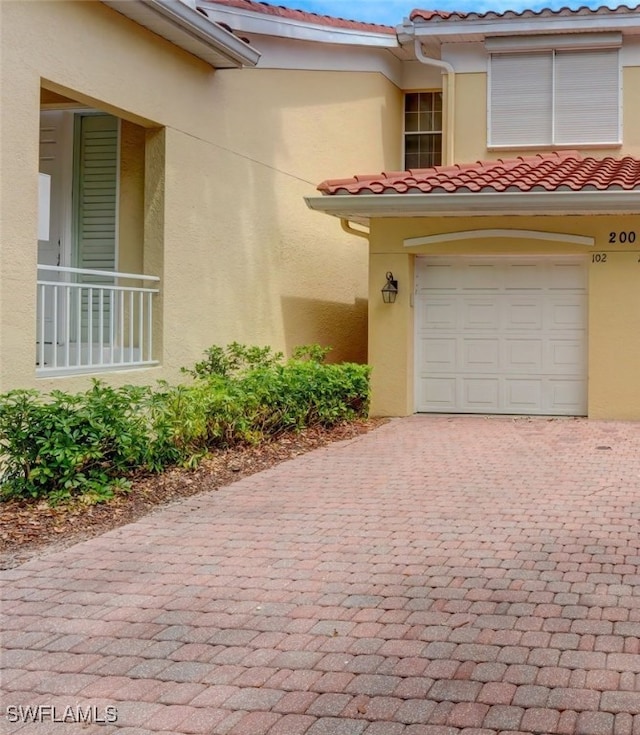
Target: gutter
{"x":363,"y":207}
{"x":408,"y":32}
{"x":447,"y":69}
{"x":190,"y":30}
{"x":520,"y":25}
{"x":350,"y":230}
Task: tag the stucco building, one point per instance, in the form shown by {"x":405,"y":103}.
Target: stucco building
{"x":517,"y":261}
{"x":157,"y":154}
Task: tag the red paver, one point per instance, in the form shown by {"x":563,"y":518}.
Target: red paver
{"x":440,"y":575}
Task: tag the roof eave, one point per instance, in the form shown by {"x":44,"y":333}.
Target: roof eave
{"x":188,"y":29}
{"x":364,"y":207}
{"x":247,"y":21}
{"x":410,"y":30}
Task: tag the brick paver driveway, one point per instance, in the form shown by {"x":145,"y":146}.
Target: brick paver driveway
{"x":437,"y":576}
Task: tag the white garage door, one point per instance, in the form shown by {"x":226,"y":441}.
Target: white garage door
{"x":501,"y":335}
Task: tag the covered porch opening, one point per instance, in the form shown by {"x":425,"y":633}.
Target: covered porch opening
{"x":98,"y":272}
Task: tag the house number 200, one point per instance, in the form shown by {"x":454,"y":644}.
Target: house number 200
{"x":622,"y":237}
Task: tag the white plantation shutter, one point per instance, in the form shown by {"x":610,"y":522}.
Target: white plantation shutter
{"x":96,"y":179}
{"x":95,"y":192}
{"x":587,"y":91}
{"x":521,"y":98}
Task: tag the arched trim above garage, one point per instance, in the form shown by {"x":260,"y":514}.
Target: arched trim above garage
{"x":412,"y":242}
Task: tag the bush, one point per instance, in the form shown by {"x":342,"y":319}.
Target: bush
{"x":302,"y":394}
{"x":62,"y":444}
{"x":233,"y":360}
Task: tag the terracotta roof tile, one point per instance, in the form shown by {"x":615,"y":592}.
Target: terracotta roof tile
{"x":304,"y":16}
{"x":560,"y":171}
{"x":439,"y":15}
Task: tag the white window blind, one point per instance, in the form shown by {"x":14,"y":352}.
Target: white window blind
{"x":521,"y":98}
{"x":554,"y":97}
{"x":587,"y":90}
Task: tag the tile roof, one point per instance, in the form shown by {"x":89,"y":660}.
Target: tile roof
{"x":438,"y":15}
{"x":304,"y":16}
{"x":560,"y":171}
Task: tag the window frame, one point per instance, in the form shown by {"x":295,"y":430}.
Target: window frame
{"x":554,"y":51}
{"x":406,"y":132}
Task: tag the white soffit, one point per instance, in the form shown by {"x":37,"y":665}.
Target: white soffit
{"x":245,"y":21}
{"x":286,"y":53}
{"x":190,"y":30}
{"x":465,"y":57}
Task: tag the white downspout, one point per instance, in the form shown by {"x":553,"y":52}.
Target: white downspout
{"x":447,"y":69}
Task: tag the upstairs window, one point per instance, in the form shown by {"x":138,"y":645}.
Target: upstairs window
{"x":422,"y":129}
{"x":555,"y":97}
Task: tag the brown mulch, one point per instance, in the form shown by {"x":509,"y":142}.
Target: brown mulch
{"x":29,"y":528}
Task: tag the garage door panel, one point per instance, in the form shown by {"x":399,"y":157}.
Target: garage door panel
{"x":439,"y":355}
{"x":442,"y":277}
{"x":440,"y":393}
{"x":481,"y":276}
{"x":523,"y":313}
{"x":481,"y":355}
{"x":566,"y":313}
{"x":522,"y":395}
{"x":480,"y":394}
{"x":567,"y":396}
{"x":478,"y":313}
{"x":508,"y":335}
{"x":523,"y":355}
{"x":565,"y":357}
{"x":439,"y":313}
{"x":570,"y":276}
{"x":523,"y":276}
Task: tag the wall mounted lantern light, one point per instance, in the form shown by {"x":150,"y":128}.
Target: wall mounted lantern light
{"x":390,"y":289}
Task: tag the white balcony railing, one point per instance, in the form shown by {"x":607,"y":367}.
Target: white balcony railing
{"x":88,"y":322}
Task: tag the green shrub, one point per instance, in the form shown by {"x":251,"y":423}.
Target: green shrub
{"x":300,"y":394}
{"x":312,"y":353}
{"x":233,"y":360}
{"x":62,"y":445}
{"x":189,"y":420}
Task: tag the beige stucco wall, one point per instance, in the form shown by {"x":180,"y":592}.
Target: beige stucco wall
{"x":470,"y":124}
{"x":613,"y":314}
{"x":229,"y":156}
{"x":631,"y":116}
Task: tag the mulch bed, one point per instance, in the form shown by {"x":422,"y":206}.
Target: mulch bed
{"x":30,"y":528}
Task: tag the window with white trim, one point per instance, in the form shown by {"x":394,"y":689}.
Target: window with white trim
{"x":422,"y":129}
{"x":555,"y":97}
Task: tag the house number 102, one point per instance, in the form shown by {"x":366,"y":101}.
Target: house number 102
{"x":599,"y":258}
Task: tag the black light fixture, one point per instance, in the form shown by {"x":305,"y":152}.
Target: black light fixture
{"x":390,"y":289}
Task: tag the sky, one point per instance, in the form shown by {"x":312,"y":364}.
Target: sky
{"x":392,"y":12}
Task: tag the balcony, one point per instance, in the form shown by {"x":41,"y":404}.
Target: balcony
{"x":89,"y":322}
